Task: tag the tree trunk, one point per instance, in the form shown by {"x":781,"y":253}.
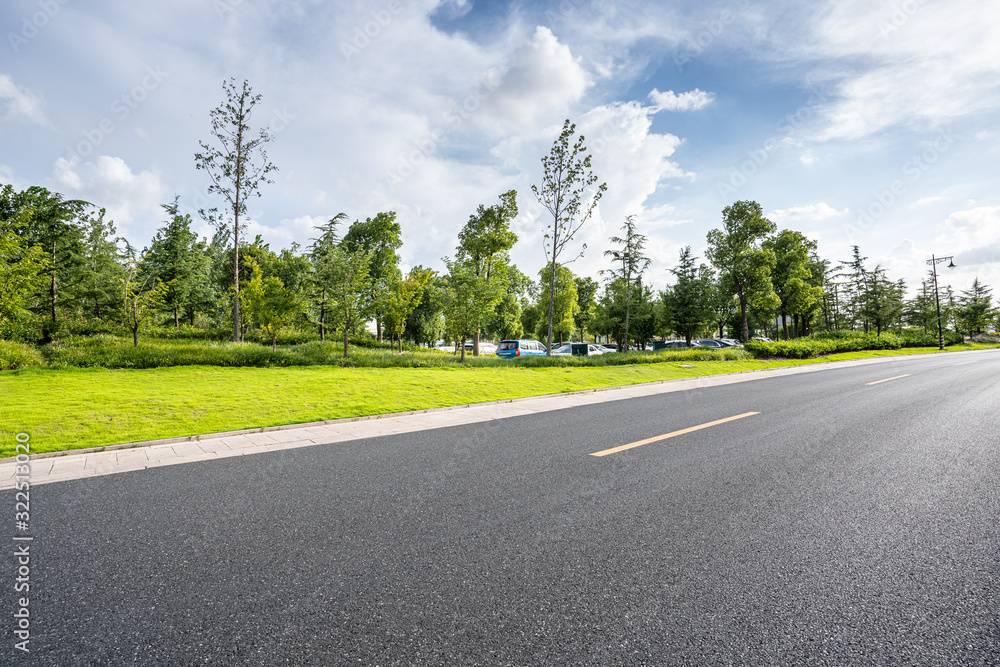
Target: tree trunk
{"x":322,"y":318}
{"x":236,"y":282}
{"x":378,"y":330}
{"x":135,"y":336}
{"x":177,"y":320}
{"x":274,"y":342}
{"x":475,"y":344}
{"x":52,"y":287}
{"x":743,"y":315}
{"x":552,"y":297}
{"x":784,"y":322}
{"x":346,"y":328}
{"x":462,"y":347}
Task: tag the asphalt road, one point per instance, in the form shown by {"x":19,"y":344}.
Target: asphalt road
{"x":845,"y":524}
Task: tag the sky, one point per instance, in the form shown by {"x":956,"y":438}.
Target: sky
{"x":864,"y":123}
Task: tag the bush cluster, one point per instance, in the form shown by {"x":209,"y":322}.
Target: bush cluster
{"x":832,"y":342}
{"x":14,"y":356}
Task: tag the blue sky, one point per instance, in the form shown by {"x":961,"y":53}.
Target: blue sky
{"x":854,"y":122}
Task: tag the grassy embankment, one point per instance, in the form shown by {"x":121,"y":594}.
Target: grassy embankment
{"x":72,"y":408}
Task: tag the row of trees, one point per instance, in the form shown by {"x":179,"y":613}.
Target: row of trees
{"x":61,"y":263}
{"x":61,"y":260}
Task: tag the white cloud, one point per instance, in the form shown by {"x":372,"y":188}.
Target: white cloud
{"x":812,"y":213}
{"x":543,"y":80}
{"x":132,"y":200}
{"x":923,"y":66}
{"x":690,"y":101}
{"x":924,"y":201}
{"x":23,"y":105}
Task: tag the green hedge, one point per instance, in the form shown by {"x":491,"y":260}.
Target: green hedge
{"x":18,"y":355}
{"x":832,"y":342}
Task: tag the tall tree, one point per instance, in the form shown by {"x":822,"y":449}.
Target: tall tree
{"x":562,"y":303}
{"x":425,"y":325}
{"x":141,"y":295}
{"x":975,"y":308}
{"x":21,"y":270}
{"x":238,"y":166}
{"x":566,"y":181}
{"x":380,"y":237}
{"x":272,"y":304}
{"x":320,"y":251}
{"x":687,"y":304}
{"x":349,"y":288}
{"x":792,"y":273}
{"x":633,"y":263}
{"x":173,"y":257}
{"x":484,"y":245}
{"x":586,"y":301}
{"x":102,"y":266}
{"x":744,"y":266}
{"x":403,"y":299}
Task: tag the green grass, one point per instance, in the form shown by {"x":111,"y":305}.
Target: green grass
{"x":72,"y":408}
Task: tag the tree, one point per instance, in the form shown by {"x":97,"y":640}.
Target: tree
{"x":142,"y":294}
{"x":586,"y":302}
{"x":403,"y":299}
{"x":21,"y":269}
{"x":272,"y":305}
{"x":687,"y":305}
{"x":485,"y":242}
{"x":792,"y":274}
{"x":101,"y":265}
{"x":566,"y":180}
{"x":174,"y":258}
{"x":634,"y":263}
{"x":744,"y":266}
{"x":321,"y":251}
{"x":349,"y":288}
{"x":51,"y":221}
{"x":380,"y":237}
{"x":562,"y":303}
{"x":504,"y":322}
{"x":469,"y":297}
{"x":975,"y":308}
{"x":238,"y":168}
{"x":425,"y":325}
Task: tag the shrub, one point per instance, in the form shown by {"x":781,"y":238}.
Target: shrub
{"x":18,"y":355}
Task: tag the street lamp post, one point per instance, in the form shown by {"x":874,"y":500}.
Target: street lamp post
{"x":933,"y":261}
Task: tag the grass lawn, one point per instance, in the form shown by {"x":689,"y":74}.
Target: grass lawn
{"x":72,"y":408}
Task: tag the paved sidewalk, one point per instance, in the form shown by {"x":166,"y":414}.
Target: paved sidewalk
{"x":47,"y":468}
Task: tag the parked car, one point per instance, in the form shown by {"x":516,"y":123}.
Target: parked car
{"x":610,"y":347}
{"x":508,"y":349}
{"x":679,"y":343}
{"x":763,"y":340}
{"x":730,"y":342}
{"x":710,"y":342}
{"x":567,"y":349}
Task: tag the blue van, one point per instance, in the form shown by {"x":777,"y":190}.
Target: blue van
{"x":508,"y":349}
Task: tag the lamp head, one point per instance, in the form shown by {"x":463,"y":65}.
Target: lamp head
{"x":951,"y":264}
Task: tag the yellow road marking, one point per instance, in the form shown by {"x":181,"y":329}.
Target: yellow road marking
{"x":640,"y":443}
{"x":868,"y":384}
